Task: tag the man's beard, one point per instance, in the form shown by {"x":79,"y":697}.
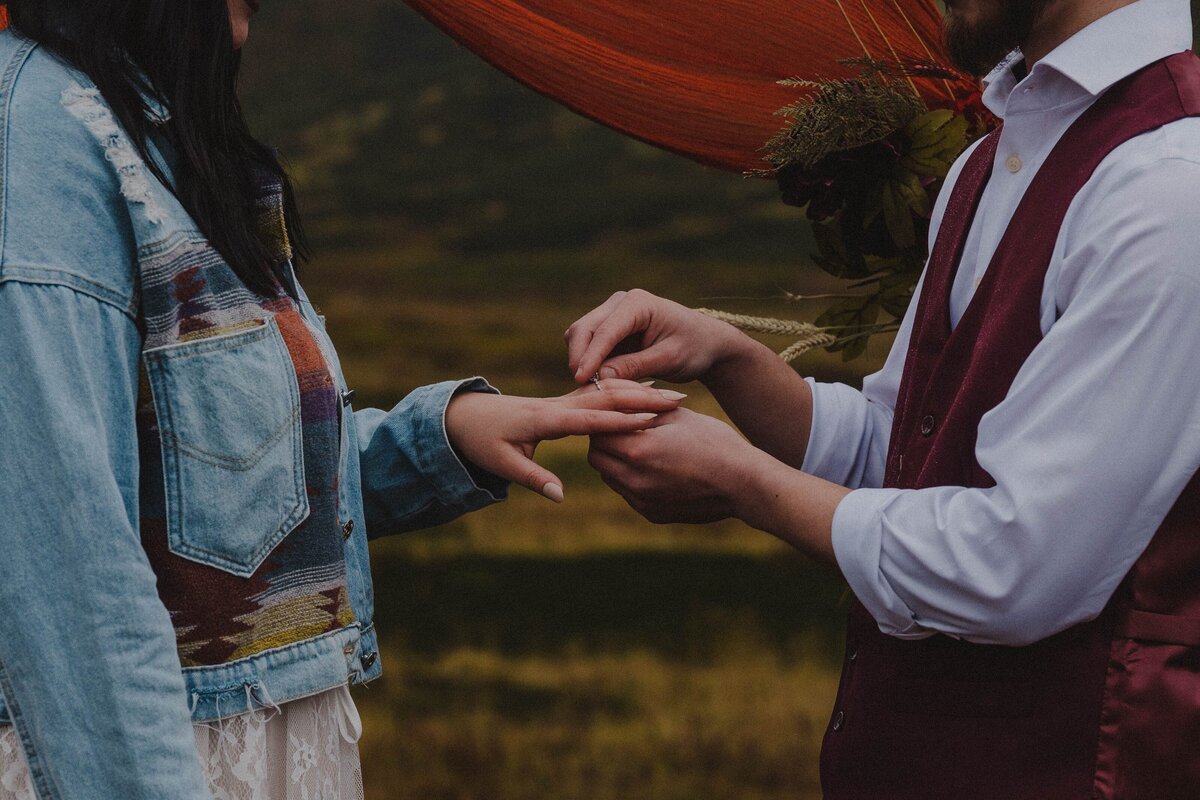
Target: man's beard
{"x":999,"y":28}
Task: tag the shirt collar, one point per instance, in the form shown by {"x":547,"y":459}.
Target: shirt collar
{"x":1111,"y":48}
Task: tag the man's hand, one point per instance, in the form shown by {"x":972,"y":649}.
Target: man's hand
{"x":666,"y":340}
{"x":686,"y":467}
{"x":637,"y":335}
{"x":499,"y":434}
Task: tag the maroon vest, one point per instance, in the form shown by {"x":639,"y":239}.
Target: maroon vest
{"x":1107,"y":709}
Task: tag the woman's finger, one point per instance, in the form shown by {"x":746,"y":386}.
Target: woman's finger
{"x":605,"y":385}
{"x":579,"y":335}
{"x":520,"y":469}
{"x":623,"y":396}
{"x":586,"y":421}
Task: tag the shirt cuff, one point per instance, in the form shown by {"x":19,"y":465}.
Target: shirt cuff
{"x":827,"y":455}
{"x":858,"y":526}
{"x":459,"y":484}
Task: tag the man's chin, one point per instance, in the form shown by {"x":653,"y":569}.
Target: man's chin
{"x":971,"y":48}
{"x":979,"y":35}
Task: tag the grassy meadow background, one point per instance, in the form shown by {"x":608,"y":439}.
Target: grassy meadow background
{"x":460,"y":223}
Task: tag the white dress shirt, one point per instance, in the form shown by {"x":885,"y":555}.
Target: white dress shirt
{"x":1100,"y":431}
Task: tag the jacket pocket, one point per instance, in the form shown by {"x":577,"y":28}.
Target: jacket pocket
{"x":228,"y":411}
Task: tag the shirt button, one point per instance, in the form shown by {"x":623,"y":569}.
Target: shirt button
{"x":347,"y":397}
{"x":348,"y":529}
{"x":1014,"y":163}
{"x":928,"y":424}
{"x":838,"y":719}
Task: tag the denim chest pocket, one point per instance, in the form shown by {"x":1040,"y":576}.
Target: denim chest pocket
{"x":228,"y":411}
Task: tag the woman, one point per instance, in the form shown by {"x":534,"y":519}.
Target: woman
{"x":186,"y":494}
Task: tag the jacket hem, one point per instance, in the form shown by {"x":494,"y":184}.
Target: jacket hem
{"x":273,"y":677}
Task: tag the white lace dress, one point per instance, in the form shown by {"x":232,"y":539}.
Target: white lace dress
{"x":305,"y":750}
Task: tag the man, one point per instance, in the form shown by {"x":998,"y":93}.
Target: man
{"x":1027,"y":622}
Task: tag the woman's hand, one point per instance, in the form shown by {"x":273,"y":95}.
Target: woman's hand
{"x":499,"y":434}
{"x":669,"y":341}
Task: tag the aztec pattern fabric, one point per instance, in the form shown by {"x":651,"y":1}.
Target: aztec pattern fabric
{"x":189,"y":294}
{"x":695,"y":78}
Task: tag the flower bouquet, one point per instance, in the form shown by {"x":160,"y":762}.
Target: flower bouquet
{"x":865,"y":158}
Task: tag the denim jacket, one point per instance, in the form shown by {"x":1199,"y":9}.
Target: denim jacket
{"x":186,"y":496}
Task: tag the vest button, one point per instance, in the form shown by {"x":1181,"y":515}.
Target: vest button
{"x":838,"y":719}
{"x":853,"y":656}
{"x":928,"y":424}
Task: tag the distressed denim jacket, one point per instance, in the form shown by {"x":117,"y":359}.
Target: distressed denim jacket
{"x":186,"y":495}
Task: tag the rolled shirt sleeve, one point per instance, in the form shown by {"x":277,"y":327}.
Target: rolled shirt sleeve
{"x":411,"y":476}
{"x":850,"y":432}
{"x":1093,"y":444}
{"x":88,"y":663}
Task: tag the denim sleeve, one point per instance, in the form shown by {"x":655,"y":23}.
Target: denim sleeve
{"x":88,"y":665}
{"x":411,"y":476}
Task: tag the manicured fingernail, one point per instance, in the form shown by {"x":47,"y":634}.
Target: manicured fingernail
{"x":648,"y":383}
{"x":553,"y":491}
{"x":645,"y":417}
{"x":608,"y":372}
{"x":670,"y":395}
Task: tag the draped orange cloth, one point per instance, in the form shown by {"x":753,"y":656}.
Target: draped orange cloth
{"x":694,"y":76}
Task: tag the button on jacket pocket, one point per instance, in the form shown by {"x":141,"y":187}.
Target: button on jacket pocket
{"x":228,"y":411}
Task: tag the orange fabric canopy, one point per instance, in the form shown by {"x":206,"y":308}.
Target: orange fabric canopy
{"x":694,"y":76}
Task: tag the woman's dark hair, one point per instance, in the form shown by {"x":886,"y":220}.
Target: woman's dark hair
{"x":180,"y":52}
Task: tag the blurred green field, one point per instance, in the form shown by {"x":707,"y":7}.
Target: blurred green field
{"x":460,"y":223}
{"x":540,"y":652}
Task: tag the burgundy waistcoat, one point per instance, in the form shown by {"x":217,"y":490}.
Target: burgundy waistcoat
{"x":1107,"y":709}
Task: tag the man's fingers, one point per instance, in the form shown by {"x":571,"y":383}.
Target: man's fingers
{"x":579,"y":335}
{"x":615,"y":445}
{"x":659,"y":361}
{"x":609,"y":467}
{"x":628,"y":318}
